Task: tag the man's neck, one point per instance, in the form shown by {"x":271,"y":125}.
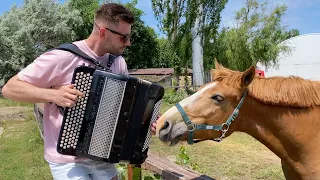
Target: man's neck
{"x":94,"y":45}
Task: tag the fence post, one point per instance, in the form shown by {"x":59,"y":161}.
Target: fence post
{"x":134,"y":172}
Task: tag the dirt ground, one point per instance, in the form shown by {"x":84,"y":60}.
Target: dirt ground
{"x":14,"y":113}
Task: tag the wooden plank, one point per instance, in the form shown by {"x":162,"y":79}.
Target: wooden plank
{"x":40,"y":106}
{"x":38,"y":110}
{"x":170,"y":170}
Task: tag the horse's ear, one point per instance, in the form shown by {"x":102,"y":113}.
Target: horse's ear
{"x":216,"y":64}
{"x":247,"y":76}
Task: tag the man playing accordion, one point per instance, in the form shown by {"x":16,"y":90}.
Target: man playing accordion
{"x":47,"y":80}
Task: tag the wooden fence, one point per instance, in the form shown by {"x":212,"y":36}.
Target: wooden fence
{"x":166,"y":169}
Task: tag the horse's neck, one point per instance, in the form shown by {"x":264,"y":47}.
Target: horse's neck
{"x":284,"y":131}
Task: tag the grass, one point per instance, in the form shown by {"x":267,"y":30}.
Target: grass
{"x":7,"y":103}
{"x":21,"y":151}
{"x":237,"y":157}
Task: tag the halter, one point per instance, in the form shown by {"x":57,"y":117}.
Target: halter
{"x":223,"y":127}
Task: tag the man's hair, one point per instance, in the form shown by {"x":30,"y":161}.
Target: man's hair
{"x":112,"y":12}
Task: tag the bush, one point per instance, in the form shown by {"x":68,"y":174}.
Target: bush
{"x":172,"y":97}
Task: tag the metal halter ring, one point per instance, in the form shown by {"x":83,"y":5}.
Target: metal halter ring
{"x":225,"y":127}
{"x":191,"y":127}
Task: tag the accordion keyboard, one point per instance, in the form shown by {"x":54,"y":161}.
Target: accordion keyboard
{"x":73,"y":116}
{"x":154,"y":118}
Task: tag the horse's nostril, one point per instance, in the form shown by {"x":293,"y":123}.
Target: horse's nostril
{"x":165,"y":131}
{"x":166,"y":125}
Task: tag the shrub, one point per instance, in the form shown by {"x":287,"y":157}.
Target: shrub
{"x":172,"y":97}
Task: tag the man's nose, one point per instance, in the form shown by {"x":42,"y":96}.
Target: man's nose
{"x":128,"y":42}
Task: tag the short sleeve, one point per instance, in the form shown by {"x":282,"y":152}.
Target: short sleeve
{"x":122,"y":65}
{"x":45,"y":70}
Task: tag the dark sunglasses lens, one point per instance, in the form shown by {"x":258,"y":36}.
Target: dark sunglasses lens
{"x":125,"y":39}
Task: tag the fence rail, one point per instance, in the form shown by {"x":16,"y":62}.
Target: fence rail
{"x":155,"y":164}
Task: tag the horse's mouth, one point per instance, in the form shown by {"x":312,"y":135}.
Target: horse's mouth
{"x":172,"y":134}
{"x":175,"y":140}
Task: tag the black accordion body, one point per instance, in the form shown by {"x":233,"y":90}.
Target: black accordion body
{"x":112,"y":122}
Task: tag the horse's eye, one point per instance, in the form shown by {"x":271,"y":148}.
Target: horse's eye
{"x":217,"y":98}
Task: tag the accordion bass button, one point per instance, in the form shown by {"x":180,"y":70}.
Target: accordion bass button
{"x":126,"y":113}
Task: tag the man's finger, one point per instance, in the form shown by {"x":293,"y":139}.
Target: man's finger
{"x":69,"y":103}
{"x":70,"y":86}
{"x":153,"y":130}
{"x":76,"y":92}
{"x":71,"y":97}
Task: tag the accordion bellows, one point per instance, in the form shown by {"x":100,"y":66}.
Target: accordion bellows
{"x":112,"y":122}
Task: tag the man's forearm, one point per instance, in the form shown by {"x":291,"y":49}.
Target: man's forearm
{"x":18,"y":90}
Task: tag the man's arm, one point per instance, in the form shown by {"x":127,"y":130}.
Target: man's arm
{"x":21,"y":91}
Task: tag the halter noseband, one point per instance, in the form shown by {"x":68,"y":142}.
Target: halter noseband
{"x":223,"y":127}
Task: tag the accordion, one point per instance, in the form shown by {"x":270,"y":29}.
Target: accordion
{"x":112,"y":122}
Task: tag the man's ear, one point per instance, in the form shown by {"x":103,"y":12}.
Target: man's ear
{"x":247,"y":76}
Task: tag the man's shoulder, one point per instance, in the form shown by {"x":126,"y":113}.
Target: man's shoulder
{"x":56,"y":55}
{"x":60,"y":54}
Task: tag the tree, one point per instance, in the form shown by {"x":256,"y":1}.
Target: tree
{"x":176,"y":20}
{"x":144,"y":48}
{"x":28,"y":31}
{"x":87,"y":10}
{"x":166,"y":54}
{"x":255,"y":38}
{"x":170,"y":13}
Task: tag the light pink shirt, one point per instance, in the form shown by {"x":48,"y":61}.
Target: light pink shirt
{"x":55,"y":68}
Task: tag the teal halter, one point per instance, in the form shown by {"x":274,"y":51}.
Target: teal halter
{"x":223,"y":127}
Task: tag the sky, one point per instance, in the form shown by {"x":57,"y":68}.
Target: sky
{"x":303,"y":15}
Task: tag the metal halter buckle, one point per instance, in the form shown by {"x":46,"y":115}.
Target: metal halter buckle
{"x":224,"y":130}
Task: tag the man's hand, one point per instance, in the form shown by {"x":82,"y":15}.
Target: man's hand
{"x":67,"y":96}
{"x":154,"y":125}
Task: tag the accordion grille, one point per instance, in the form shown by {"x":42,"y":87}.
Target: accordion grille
{"x":155,"y":113}
{"x":106,"y":119}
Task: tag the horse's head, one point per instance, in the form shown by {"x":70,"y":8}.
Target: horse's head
{"x":208,"y":113}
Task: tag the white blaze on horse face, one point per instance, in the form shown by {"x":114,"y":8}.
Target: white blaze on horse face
{"x":186,"y":102}
{"x":190,"y":100}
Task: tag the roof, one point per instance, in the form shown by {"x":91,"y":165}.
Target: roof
{"x":154,"y":71}
{"x":152,"y":78}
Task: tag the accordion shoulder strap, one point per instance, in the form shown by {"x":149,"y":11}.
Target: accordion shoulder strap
{"x":75,"y":50}
{"x":70,"y":47}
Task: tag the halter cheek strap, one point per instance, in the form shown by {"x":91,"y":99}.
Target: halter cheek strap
{"x":223,"y":127}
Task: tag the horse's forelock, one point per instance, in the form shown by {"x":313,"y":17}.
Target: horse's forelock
{"x":228,"y":77}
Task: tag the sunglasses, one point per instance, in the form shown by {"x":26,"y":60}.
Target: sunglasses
{"x":124,"y":37}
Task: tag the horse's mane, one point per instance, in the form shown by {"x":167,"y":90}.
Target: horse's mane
{"x":280,"y":91}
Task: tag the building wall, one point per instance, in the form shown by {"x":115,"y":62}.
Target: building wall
{"x":303,"y":61}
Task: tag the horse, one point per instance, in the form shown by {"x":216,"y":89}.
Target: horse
{"x":283,"y":113}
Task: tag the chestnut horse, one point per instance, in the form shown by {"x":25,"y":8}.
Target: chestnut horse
{"x":283,"y":113}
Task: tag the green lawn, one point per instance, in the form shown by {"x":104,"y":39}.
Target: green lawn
{"x":21,"y":151}
{"x":237,"y":157}
{"x":7,"y":103}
